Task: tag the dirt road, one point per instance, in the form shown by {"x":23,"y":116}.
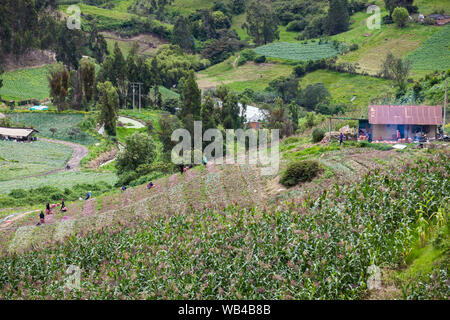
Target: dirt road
{"x":79,"y":152}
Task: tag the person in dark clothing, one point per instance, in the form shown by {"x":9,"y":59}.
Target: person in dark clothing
{"x":123,"y":188}
{"x":341,"y":138}
{"x":181,"y":167}
{"x":63,"y":205}
{"x":41,"y":218}
{"x":47,"y":208}
{"x":150,"y":185}
{"x":88,"y":195}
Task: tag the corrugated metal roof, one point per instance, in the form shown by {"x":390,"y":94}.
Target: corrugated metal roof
{"x":16,"y":132}
{"x":420,"y":115}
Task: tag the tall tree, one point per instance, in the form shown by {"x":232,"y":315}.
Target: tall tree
{"x":191,"y":98}
{"x":338,"y":19}
{"x":392,"y":4}
{"x":88,"y":79}
{"x":262,"y":22}
{"x":108,"y":104}
{"x":69,"y":46}
{"x":182,"y":34}
{"x":397,"y":70}
{"x":58,"y":80}
{"x":207,"y":113}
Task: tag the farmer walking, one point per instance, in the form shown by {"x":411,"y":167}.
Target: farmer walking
{"x":47,"y":209}
{"x":63,"y":205}
{"x":41,"y":218}
{"x":341,"y":138}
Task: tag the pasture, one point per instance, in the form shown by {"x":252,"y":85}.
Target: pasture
{"x":25,"y":159}
{"x":374,"y":45}
{"x":250,"y":75}
{"x":343,"y":87}
{"x":297,"y":51}
{"x":63,"y":123}
{"x":25,"y":84}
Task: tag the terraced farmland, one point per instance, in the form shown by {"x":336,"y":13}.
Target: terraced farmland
{"x":318,"y":249}
{"x":297,"y":51}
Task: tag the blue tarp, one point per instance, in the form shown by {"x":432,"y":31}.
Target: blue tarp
{"x":39,"y":108}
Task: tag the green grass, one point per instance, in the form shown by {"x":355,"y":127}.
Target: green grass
{"x":24,"y":159}
{"x":189,"y":6}
{"x":343,"y":87}
{"x":432,"y":6}
{"x":62,"y":122}
{"x":25,"y":84}
{"x":374,"y":48}
{"x":297,"y":51}
{"x":59,"y":180}
{"x":434,"y":53}
{"x":287,"y":36}
{"x":251,"y":75}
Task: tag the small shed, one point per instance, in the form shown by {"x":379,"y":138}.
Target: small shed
{"x":17,"y":134}
{"x":386,"y":122}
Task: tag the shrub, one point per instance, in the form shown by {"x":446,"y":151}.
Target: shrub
{"x":18,"y":193}
{"x":296,"y":25}
{"x":260,"y":59}
{"x":318,"y":135}
{"x":400,"y":16}
{"x":300,"y":171}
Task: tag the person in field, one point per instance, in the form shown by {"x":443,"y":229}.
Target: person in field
{"x":181,"y":167}
{"x":88,"y":195}
{"x":48,"y":210}
{"x":341,"y":138}
{"x":150,"y":185}
{"x":63,"y":205}
{"x":123,"y":188}
{"x":205,"y":161}
{"x":41,"y":218}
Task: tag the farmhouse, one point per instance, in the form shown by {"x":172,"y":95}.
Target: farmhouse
{"x":390,"y":122}
{"x":18,"y":134}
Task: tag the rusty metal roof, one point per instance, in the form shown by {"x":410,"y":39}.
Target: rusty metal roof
{"x":420,"y":115}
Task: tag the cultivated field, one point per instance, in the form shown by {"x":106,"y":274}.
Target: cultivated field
{"x":318,"y":249}
{"x":59,"y":180}
{"x":297,"y":51}
{"x":251,"y":75}
{"x":25,"y":159}
{"x":375,"y":44}
{"x":344,"y":87}
{"x":25,"y":84}
{"x":63,"y":123}
{"x":434,"y":53}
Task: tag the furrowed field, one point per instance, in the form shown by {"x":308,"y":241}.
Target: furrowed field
{"x":63,"y":123}
{"x":25,"y":84}
{"x":25,"y":159}
{"x":434,"y":54}
{"x":297,"y":51}
{"x":319,"y":249}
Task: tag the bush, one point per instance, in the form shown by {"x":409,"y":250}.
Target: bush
{"x":318,"y":135}
{"x":296,"y":25}
{"x":299,"y":172}
{"x":260,"y":59}
{"x":18,"y":193}
{"x":400,"y":16}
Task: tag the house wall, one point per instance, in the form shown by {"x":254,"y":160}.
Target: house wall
{"x":386,"y":131}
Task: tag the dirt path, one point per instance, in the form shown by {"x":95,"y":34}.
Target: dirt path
{"x":79,"y":152}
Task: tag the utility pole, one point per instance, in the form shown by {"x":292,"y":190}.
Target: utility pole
{"x":138,"y":85}
{"x":445,"y":107}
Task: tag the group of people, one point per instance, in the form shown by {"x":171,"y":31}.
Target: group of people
{"x":183,"y":168}
{"x":48,"y":210}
